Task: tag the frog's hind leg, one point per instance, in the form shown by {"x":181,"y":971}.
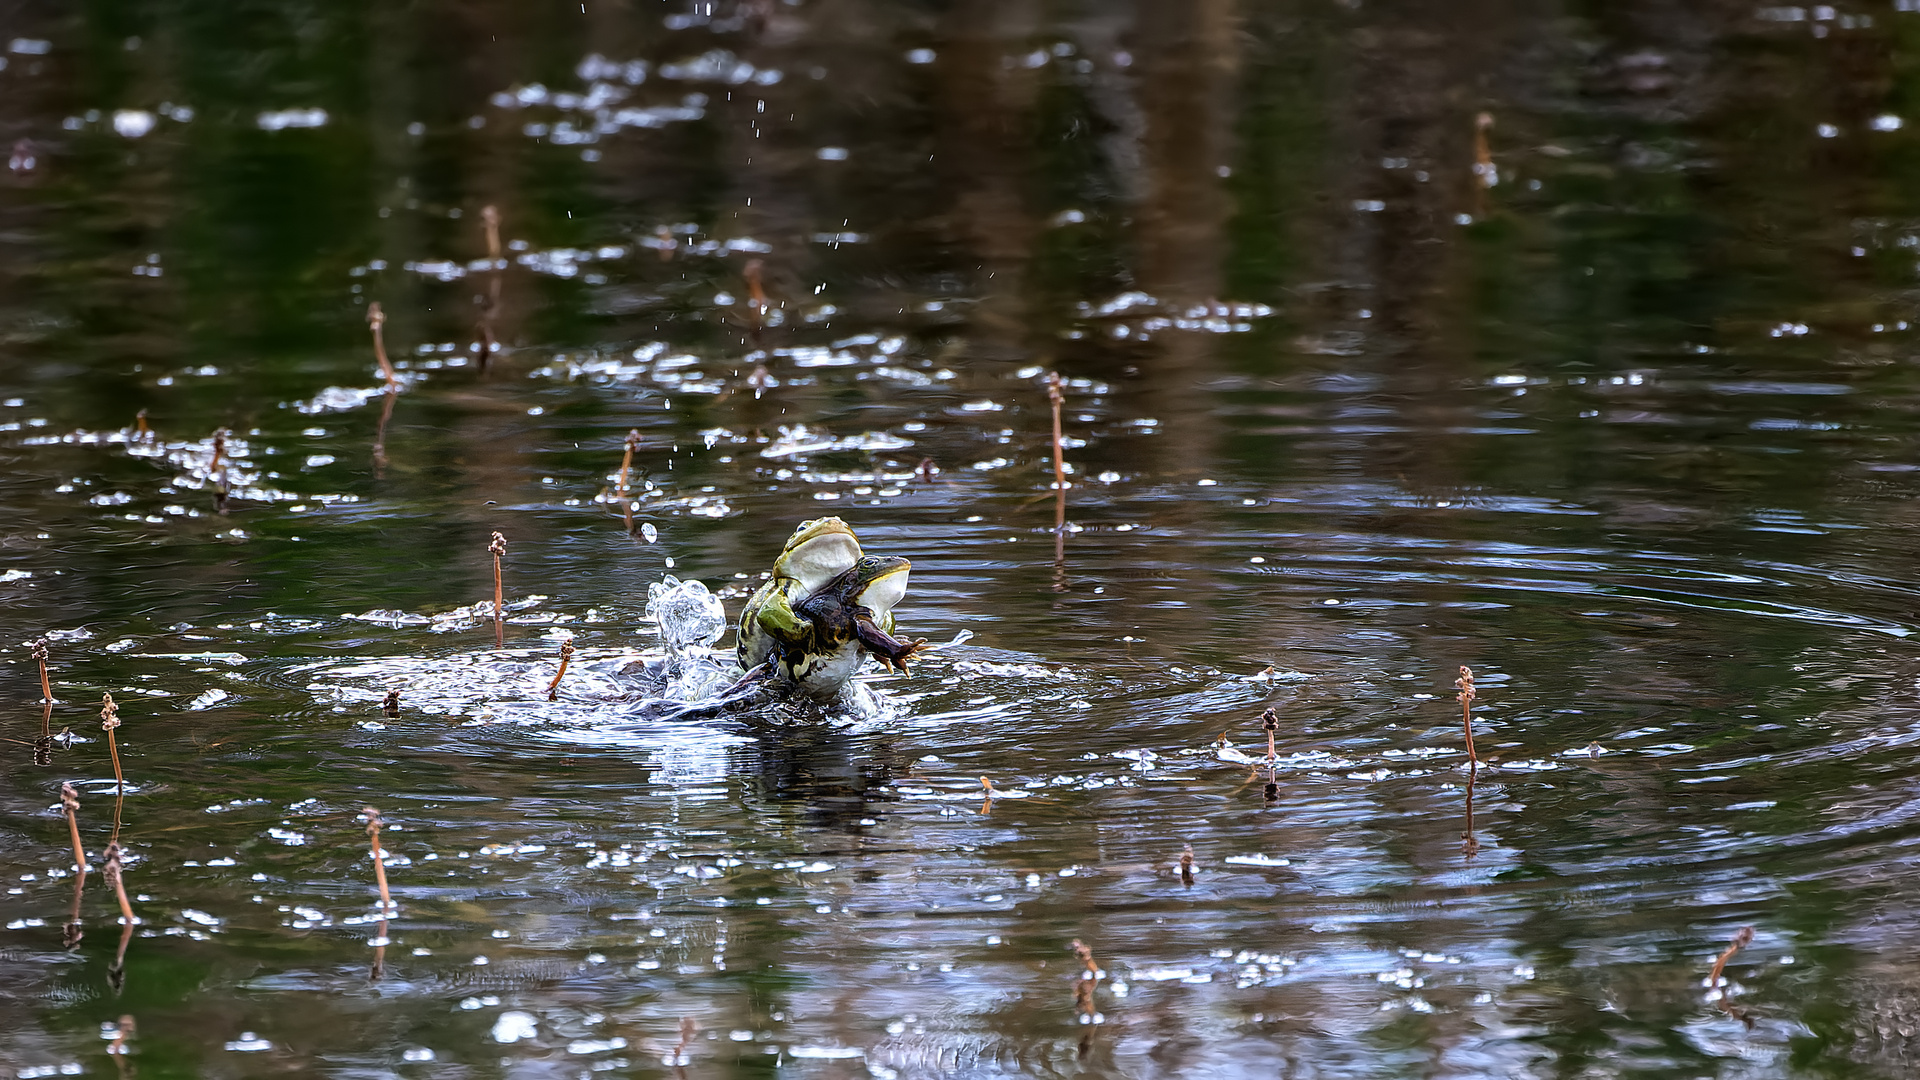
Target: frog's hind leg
{"x":892,"y":651}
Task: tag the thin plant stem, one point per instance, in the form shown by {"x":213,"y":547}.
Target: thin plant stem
{"x":566,"y":657}
{"x":1741,"y":939}
{"x":70,"y":801}
{"x":109,"y":720}
{"x":379,"y":862}
{"x":377,"y":320}
{"x":117,"y":971}
{"x":626,"y":466}
{"x":490,"y":217}
{"x":756,"y":295}
{"x":40,"y":657}
{"x":1465,"y":683}
{"x":380,"y":433}
{"x":113,"y":874}
{"x":1084,"y":985}
{"x":1467,"y":694}
{"x":1057,"y":398}
{"x":498,"y":547}
{"x":217,"y":468}
{"x":118,"y":1047}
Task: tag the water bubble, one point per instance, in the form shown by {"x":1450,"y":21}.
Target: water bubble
{"x":513,"y":1026}
{"x":132,"y":123}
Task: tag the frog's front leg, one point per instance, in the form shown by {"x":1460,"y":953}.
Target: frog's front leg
{"x":784,"y":624}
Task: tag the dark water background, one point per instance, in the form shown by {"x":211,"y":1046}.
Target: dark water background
{"x":1630,"y":431}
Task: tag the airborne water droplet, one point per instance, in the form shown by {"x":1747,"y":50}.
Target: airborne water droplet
{"x":647,"y":530}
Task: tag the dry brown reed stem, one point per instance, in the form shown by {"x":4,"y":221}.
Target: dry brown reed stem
{"x":109,"y":720}
{"x":1057,"y":397}
{"x":1485,"y":173}
{"x":756,"y":296}
{"x":140,"y":424}
{"x":498,"y":547}
{"x":112,"y":872}
{"x":566,"y":657}
{"x":116,"y":971}
{"x":377,"y":319}
{"x":70,"y":801}
{"x":688,"y":1028}
{"x":666,"y":242}
{"x":626,"y":467}
{"x":379,"y":862}
{"x":380,"y":433}
{"x":40,"y":657}
{"x":1465,"y":683}
{"x":1269,"y":723}
{"x":118,"y":1047}
{"x":1084,"y":985}
{"x":47,"y":688}
{"x":391,"y":704}
{"x":1186,"y":864}
{"x":986,"y":803}
{"x":490,"y":217}
{"x":1741,"y":939}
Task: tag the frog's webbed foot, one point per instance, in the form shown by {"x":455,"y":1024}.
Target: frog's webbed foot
{"x":898,"y":661}
{"x":893,"y":652}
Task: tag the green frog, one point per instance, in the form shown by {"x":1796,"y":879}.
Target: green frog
{"x":816,"y":553}
{"x":852,"y":615}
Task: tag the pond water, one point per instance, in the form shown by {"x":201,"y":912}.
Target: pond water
{"x":1576,"y":346}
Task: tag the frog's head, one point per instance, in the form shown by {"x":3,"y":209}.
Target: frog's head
{"x":880,"y":581}
{"x":817,"y":551}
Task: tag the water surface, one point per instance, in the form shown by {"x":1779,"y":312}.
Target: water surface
{"x":1609,"y":396}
